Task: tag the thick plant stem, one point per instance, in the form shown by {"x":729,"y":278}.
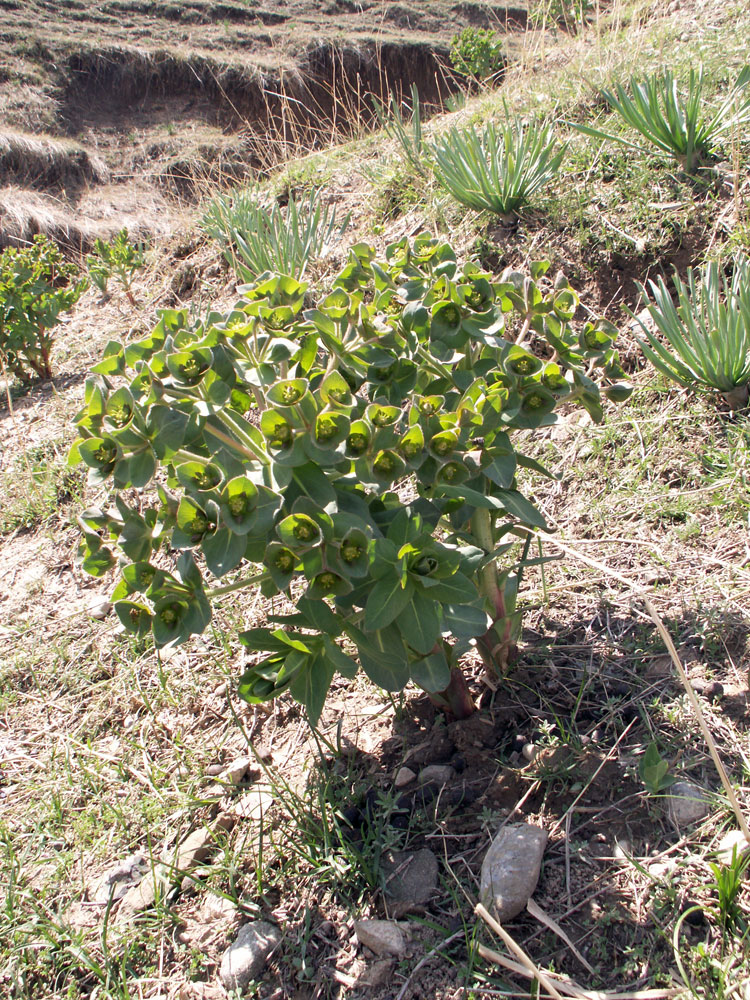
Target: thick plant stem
{"x":456,"y":698}
{"x":457,"y":695}
{"x":481,"y":529}
{"x":737,"y":398}
{"x":496,"y":646}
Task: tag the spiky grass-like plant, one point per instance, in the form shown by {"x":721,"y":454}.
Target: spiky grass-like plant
{"x":680,"y":127}
{"x":257,"y":236}
{"x":708,"y":330}
{"x":407,"y":133}
{"x":499,"y":169}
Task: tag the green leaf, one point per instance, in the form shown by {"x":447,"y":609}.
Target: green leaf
{"x":345,"y":665}
{"x":451,"y":590}
{"x":419,"y":622}
{"x":135,"y":618}
{"x":223,"y":550}
{"x":320,"y":616}
{"x":270,"y":640}
{"x":383,"y":657}
{"x":465,"y":621}
{"x":310,"y":686}
{"x":387,"y":599}
{"x":432,"y":673}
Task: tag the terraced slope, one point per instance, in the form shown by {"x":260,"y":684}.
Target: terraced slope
{"x":166,"y":96}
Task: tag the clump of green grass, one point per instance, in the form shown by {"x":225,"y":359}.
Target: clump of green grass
{"x":257,"y":237}
{"x":682,"y":128}
{"x":35,"y":488}
{"x":499,"y":169}
{"x":707,"y":332}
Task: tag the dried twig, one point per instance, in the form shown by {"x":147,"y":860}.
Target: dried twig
{"x":536,"y":911}
{"x":542,"y":977}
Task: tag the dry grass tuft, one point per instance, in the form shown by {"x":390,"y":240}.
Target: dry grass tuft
{"x":47,"y":163}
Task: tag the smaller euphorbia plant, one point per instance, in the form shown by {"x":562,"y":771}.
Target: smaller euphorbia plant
{"x":36,"y":286}
{"x":357,"y":457}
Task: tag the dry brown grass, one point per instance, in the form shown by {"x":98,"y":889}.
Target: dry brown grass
{"x":41,"y":162}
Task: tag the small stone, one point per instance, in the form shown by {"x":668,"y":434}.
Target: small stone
{"x":642,"y":319}
{"x":410,"y":879}
{"x":142,"y":896}
{"x":687,"y":803}
{"x":660,"y":869}
{"x":404,"y":777}
{"x":195,"y":848}
{"x":116,"y":883}
{"x":713,"y":690}
{"x":236,"y":771}
{"x":530,"y":751}
{"x":246,"y":957}
{"x":251,"y":806}
{"x":100,"y":611}
{"x":732,"y":845}
{"x":441,"y":774}
{"x":378,"y":974}
{"x":623,"y":849}
{"x":217,"y":909}
{"x":383,"y":937}
{"x":511,"y":868}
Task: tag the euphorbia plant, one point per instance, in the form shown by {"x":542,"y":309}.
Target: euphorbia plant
{"x":36,"y":286}
{"x":356,"y":457}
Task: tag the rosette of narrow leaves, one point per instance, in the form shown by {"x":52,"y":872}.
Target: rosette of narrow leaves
{"x":707,"y":332}
{"x":408,"y":134}
{"x":680,"y":126}
{"x":356,"y":456}
{"x":257,"y":236}
{"x":499,"y":169}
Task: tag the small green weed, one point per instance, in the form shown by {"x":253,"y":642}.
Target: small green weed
{"x":727,"y":883}
{"x":408,"y":135}
{"x":680,"y":128}
{"x":571,"y":14}
{"x":708,"y":331}
{"x":120,"y":259}
{"x":501,"y":168}
{"x":653,"y":771}
{"x":477,"y":53}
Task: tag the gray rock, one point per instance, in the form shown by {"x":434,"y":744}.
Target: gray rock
{"x":384,"y":937}
{"x":404,"y":777}
{"x":236,"y":771}
{"x":378,"y":974}
{"x":196,"y":847}
{"x":687,"y":803}
{"x":245,"y":959}
{"x":714,"y":690}
{"x":410,"y":879}
{"x":441,"y":774}
{"x":140,"y":897}
{"x":100,"y":611}
{"x":115,"y":884}
{"x":732,"y":845}
{"x":511,"y":867}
